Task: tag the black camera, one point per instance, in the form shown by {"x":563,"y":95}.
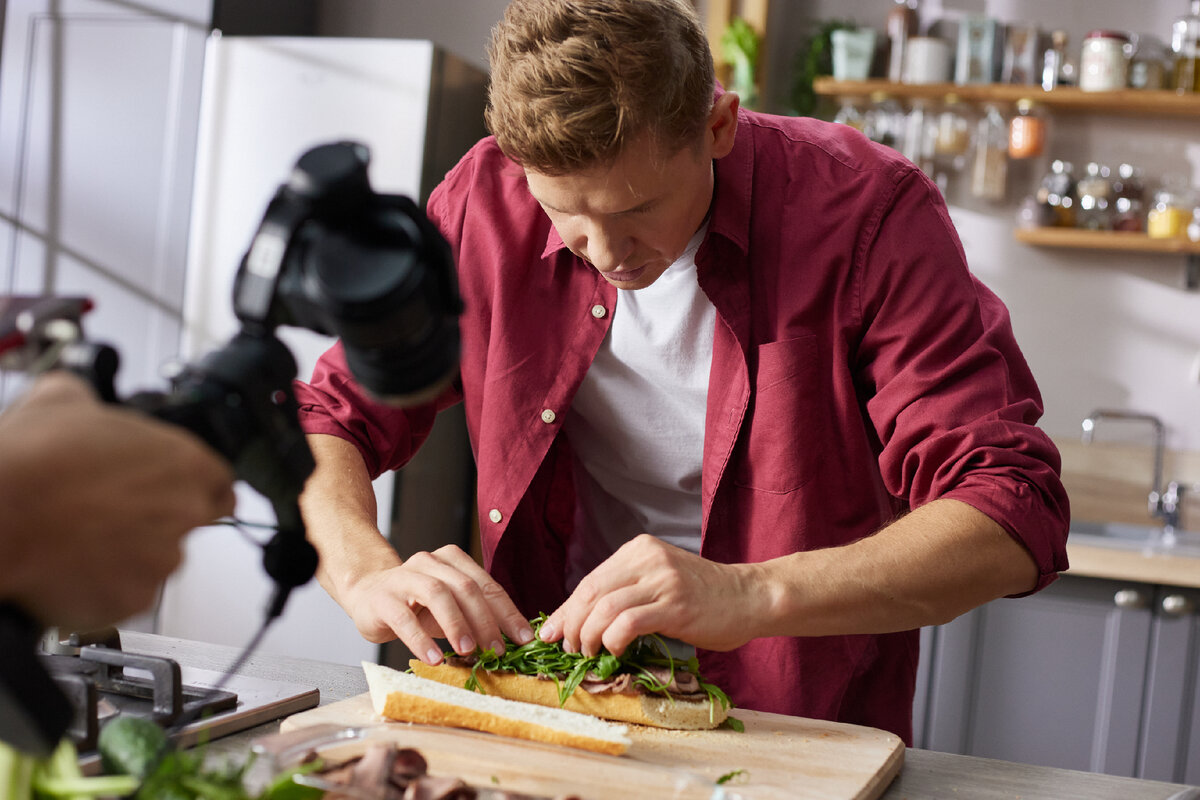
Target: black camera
{"x":330,"y":255}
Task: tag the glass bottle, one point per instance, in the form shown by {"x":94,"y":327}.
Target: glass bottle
{"x":1053,"y":60}
{"x":1129,"y":200}
{"x":1093,"y":193}
{"x":883,"y":121}
{"x":1057,"y":194}
{"x":917,"y":146}
{"x":989,"y":171}
{"x":901,"y":26}
{"x":1185,"y":48}
{"x":952,"y":134}
{"x":1026,"y":131}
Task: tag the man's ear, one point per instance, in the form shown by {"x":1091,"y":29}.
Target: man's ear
{"x":722,"y":124}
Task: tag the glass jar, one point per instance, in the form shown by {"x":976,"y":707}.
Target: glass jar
{"x":989,"y":171}
{"x":1129,"y":199}
{"x":952,"y":134}
{"x":1026,"y":131}
{"x":1104,"y":63}
{"x":1193,"y":228}
{"x":1185,"y":49}
{"x":1148,"y":69}
{"x":883,"y":121}
{"x":848,"y":113}
{"x":1057,"y":195}
{"x":1168,"y":217}
{"x":1093,"y":193}
{"x":917,"y":146}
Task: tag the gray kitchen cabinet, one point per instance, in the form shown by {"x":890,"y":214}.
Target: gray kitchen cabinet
{"x":1169,"y":747}
{"x":1088,"y":674}
{"x":99,"y":104}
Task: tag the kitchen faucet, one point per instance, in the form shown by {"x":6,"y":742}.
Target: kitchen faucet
{"x":1164,"y":502}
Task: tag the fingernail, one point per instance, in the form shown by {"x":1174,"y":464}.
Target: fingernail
{"x":466,"y":644}
{"x":434,"y":656}
{"x":496,"y":647}
{"x":548,"y":631}
{"x":525,"y":635}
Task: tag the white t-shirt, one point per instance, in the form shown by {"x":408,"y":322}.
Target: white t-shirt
{"x":636,"y":425}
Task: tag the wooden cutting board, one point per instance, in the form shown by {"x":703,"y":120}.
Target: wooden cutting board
{"x":781,"y":758}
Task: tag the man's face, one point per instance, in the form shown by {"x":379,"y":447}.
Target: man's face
{"x":633,"y":219}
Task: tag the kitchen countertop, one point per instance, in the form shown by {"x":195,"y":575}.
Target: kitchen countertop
{"x":1094,"y":561}
{"x":926,"y":775}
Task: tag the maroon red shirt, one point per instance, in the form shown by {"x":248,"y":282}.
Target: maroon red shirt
{"x":858,"y":371}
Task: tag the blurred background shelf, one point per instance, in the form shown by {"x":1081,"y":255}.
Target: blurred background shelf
{"x":1126,"y":102}
{"x":1122,"y":241}
{"x":1104,"y":240}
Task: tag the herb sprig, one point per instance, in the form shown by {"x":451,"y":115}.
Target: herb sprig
{"x":568,"y":670}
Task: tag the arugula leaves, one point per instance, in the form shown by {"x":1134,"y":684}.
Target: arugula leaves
{"x":568,"y":670}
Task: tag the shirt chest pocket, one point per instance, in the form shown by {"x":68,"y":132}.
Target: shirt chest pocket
{"x":779,"y":447}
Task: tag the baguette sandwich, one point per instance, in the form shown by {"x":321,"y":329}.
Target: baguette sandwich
{"x":402,"y":697}
{"x":645,"y":685}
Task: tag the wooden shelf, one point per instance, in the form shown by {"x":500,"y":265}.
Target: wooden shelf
{"x":1117,"y":241}
{"x":1125,"y":102}
{"x":1104,"y":240}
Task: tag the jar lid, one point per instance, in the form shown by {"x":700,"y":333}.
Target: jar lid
{"x":1101,"y":34}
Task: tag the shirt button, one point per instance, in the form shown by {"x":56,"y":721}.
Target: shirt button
{"x":494,"y":515}
{"x":598,"y":311}
{"x":548,"y":416}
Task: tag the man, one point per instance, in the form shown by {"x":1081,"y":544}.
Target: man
{"x":727,"y":379}
{"x":96,"y":500}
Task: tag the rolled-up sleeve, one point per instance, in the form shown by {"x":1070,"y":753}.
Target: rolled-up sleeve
{"x":953,"y":400}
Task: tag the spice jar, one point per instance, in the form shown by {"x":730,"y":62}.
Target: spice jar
{"x":1026,"y":131}
{"x":1168,"y":218}
{"x":1093,"y":193}
{"x":989,"y":172}
{"x":1104,"y":64}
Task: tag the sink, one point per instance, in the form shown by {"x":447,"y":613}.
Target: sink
{"x":1122,"y":536}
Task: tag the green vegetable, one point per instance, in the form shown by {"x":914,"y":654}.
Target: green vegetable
{"x":142,"y":764}
{"x":728,"y":776}
{"x":131,"y":746}
{"x":23,"y":777}
{"x":568,"y":670}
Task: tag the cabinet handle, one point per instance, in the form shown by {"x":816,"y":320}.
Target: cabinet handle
{"x":1130,"y":598}
{"x":1178,"y":605}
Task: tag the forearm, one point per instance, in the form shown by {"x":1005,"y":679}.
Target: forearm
{"x":339,"y":508}
{"x":926,"y":568}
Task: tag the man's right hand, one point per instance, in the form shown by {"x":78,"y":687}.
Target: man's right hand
{"x":440,"y":595}
{"x":443,"y":594}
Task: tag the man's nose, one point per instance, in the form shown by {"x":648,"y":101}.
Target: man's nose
{"x":607,"y":249}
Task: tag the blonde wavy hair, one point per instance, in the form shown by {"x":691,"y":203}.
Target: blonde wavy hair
{"x":574,"y":81}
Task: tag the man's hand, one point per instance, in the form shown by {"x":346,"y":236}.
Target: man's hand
{"x":649,"y":586}
{"x":438,"y":595}
{"x":96,"y":500}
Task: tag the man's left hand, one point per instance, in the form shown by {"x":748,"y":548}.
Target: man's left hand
{"x":649,"y":586}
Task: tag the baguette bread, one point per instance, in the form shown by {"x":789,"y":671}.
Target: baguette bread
{"x":403,"y":697}
{"x":640,"y":708}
